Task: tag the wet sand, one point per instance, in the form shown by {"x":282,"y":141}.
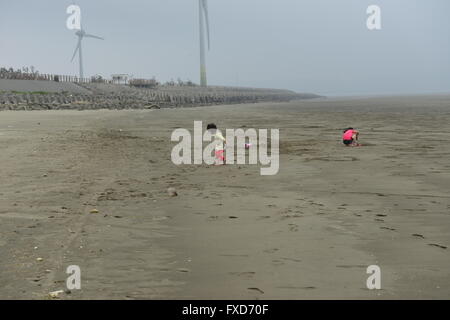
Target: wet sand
{"x":309,"y":232}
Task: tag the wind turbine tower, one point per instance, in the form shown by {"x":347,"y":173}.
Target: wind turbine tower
{"x":204,"y":21}
{"x":82,"y":34}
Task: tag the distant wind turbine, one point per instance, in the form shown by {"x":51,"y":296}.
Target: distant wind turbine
{"x":82,"y":34}
{"x":204,"y":20}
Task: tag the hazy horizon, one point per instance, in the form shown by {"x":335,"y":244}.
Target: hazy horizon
{"x":320,"y":46}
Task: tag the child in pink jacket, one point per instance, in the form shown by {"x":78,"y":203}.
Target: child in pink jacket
{"x":350,"y":137}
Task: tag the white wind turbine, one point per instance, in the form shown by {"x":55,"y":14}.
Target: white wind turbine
{"x":204,"y":20}
{"x":82,"y":34}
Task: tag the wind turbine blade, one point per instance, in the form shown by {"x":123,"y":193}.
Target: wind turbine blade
{"x":87,"y":35}
{"x":76,"y":49}
{"x":205,"y":10}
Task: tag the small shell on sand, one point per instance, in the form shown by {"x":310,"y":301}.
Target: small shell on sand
{"x":172,"y":192}
{"x":55,"y":294}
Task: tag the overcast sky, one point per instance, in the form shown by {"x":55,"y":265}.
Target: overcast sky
{"x":319,"y":46}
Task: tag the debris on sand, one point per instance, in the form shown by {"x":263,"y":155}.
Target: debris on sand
{"x":94,"y":211}
{"x":172,"y":192}
{"x":256,"y":289}
{"x":55,"y":294}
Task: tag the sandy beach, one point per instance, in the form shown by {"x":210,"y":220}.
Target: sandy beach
{"x":309,"y":232}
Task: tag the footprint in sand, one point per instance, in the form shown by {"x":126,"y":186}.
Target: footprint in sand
{"x":277,"y":262}
{"x":256,"y":289}
{"x":247,"y":275}
{"x":291,"y":259}
{"x":437,"y":245}
{"x":417,"y":235}
{"x":271,"y":250}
